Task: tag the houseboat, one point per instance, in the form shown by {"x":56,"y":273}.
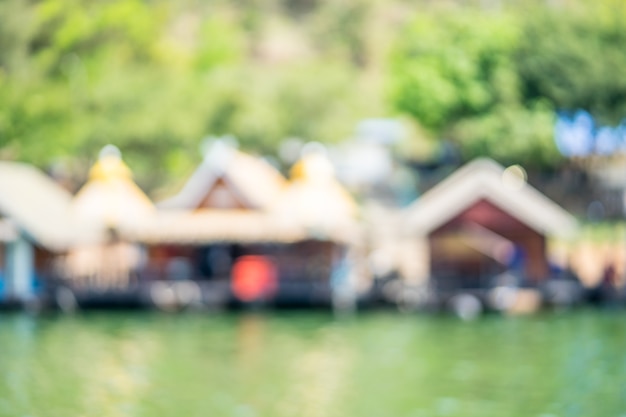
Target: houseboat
{"x":103,"y":267}
{"x":243,"y":234}
{"x":35,"y":228}
{"x":484,"y":231}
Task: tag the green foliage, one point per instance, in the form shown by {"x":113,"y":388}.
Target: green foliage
{"x":220,"y":43}
{"x":454,"y":65}
{"x":492,"y":81}
{"x":156,"y":77}
{"x":576,"y":61}
{"x":510,"y":134}
{"x":456,"y":74}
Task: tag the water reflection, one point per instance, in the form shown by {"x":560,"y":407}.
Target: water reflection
{"x":250,"y":332}
{"x":320,"y":376}
{"x":15,"y":380}
{"x":311,"y":365}
{"x":119,"y":376}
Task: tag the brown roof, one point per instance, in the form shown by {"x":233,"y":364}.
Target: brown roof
{"x":253,"y":180}
{"x":483,"y":179}
{"x":36,"y":204}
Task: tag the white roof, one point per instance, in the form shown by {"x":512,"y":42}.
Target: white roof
{"x":483,"y":179}
{"x":36,"y":205}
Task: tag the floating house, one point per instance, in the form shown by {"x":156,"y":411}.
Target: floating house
{"x":239,"y":210}
{"x":237,"y":220}
{"x":238,"y":231}
{"x":325,"y":261}
{"x":221,"y":213}
{"x":105,"y":265}
{"x":35,"y":227}
{"x":480,"y":222}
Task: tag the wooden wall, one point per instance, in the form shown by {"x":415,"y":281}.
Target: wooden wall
{"x":449,"y":255}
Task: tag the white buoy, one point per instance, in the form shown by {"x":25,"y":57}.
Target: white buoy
{"x":188,"y":293}
{"x":66,"y":300}
{"x":466,"y":306}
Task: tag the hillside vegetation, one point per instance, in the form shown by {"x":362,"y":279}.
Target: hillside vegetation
{"x":155,"y":77}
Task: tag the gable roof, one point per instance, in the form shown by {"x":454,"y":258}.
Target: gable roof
{"x":110,"y":198}
{"x":315,"y":199}
{"x":254,"y":181}
{"x":310,"y":206}
{"x":483,"y":179}
{"x":36,"y":204}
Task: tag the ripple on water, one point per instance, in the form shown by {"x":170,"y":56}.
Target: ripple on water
{"x":311,"y":364}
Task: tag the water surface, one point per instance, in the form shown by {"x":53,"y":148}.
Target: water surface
{"x":312,"y":364}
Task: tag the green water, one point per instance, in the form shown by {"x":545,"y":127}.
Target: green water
{"x":311,"y":364}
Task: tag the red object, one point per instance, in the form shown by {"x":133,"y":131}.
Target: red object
{"x":254,"y":278}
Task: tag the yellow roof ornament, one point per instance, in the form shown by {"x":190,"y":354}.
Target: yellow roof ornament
{"x":110,"y":166}
{"x":313,"y":167}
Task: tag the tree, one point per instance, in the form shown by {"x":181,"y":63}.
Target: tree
{"x":155,"y":78}
{"x":576,"y":60}
{"x":446,"y":67}
{"x":455,"y":73}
